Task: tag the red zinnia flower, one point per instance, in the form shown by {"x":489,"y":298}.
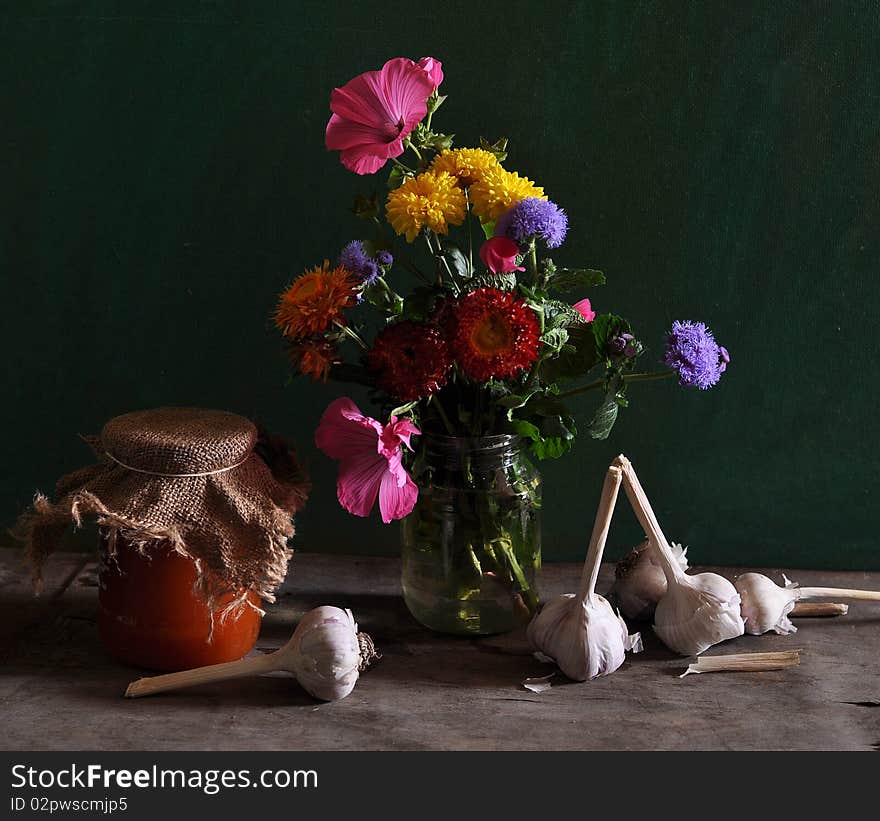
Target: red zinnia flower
{"x":411,"y":360}
{"x":497,"y":334}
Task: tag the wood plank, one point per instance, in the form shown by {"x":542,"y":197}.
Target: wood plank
{"x":428,"y":691}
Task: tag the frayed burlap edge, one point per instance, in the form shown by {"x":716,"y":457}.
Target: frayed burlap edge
{"x":47,"y":522}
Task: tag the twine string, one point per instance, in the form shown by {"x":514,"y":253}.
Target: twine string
{"x":176,"y":475}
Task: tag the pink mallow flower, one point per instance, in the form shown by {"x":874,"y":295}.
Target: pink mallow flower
{"x":369,"y":457}
{"x":375,"y":112}
{"x":585,"y":310}
{"x":434,"y":69}
{"x":499,"y":255}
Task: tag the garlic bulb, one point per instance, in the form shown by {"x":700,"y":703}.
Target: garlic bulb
{"x":639,"y":581}
{"x":581,"y":632}
{"x":696,"y":612}
{"x":766,"y":606}
{"x":325,"y":653}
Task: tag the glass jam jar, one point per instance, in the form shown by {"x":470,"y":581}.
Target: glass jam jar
{"x":151,"y":616}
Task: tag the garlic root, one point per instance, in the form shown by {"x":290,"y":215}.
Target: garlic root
{"x":325,"y":653}
{"x":696,"y":612}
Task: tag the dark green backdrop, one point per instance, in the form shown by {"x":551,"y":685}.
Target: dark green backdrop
{"x":164,"y":175}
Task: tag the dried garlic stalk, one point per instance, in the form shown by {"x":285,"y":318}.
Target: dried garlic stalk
{"x":696,"y":612}
{"x":745,"y":662}
{"x":819,"y":609}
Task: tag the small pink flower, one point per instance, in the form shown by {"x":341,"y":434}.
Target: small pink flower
{"x":585,"y":310}
{"x":499,"y":255}
{"x":375,"y":112}
{"x":434,"y":69}
{"x":369,"y":460}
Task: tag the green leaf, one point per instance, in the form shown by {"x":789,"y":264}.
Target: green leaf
{"x":503,"y":282}
{"x":395,"y":178}
{"x":435,"y":101}
{"x":606,"y":414}
{"x":488,"y":229}
{"x":439,"y":142}
{"x":605,"y":327}
{"x":498,"y":148}
{"x":457,"y":261}
{"x":419,"y":302}
{"x":570,"y":279}
{"x":576,"y":358}
{"x":560,"y":315}
{"x":554,"y":339}
{"x":400,"y":410}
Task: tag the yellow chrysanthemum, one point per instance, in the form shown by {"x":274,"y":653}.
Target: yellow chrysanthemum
{"x":428,"y":201}
{"x":500,"y":190}
{"x":469,"y":165}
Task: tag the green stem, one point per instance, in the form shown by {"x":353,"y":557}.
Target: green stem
{"x":411,"y":267}
{"x":408,"y":144}
{"x":630,"y":377}
{"x":467,"y":219}
{"x":445,"y":262}
{"x":442,"y":414}
{"x":533,"y":262}
{"x":402,"y":166}
{"x":350,"y":333}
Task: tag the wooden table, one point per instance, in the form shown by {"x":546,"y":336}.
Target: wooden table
{"x":59,"y":691}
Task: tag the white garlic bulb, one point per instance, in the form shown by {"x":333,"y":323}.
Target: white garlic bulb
{"x":639,"y":581}
{"x":581,"y":632}
{"x":696,"y":612}
{"x":766,"y":605}
{"x":325,"y":653}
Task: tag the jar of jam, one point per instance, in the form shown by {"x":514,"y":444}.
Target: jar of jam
{"x":195,"y":509}
{"x":151,"y":615}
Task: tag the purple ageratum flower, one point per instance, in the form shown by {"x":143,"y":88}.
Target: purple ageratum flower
{"x":369,"y":272}
{"x":384,"y":258}
{"x":693,"y":352}
{"x":534,"y":217}
{"x":353,"y":257}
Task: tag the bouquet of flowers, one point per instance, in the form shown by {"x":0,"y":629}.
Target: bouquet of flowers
{"x":476,"y":343}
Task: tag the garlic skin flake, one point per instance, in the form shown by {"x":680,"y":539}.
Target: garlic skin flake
{"x":696,"y":612}
{"x":326,"y":654}
{"x":581,"y":632}
{"x":639,"y":581}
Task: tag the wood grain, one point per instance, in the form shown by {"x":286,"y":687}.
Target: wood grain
{"x":60,"y":691}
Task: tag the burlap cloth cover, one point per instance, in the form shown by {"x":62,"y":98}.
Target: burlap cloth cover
{"x":206,"y":482}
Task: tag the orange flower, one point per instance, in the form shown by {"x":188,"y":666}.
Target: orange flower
{"x":496,"y":335}
{"x":314,"y":358}
{"x":316,"y":301}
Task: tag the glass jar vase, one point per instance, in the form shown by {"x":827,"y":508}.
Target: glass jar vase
{"x":472,"y":545}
